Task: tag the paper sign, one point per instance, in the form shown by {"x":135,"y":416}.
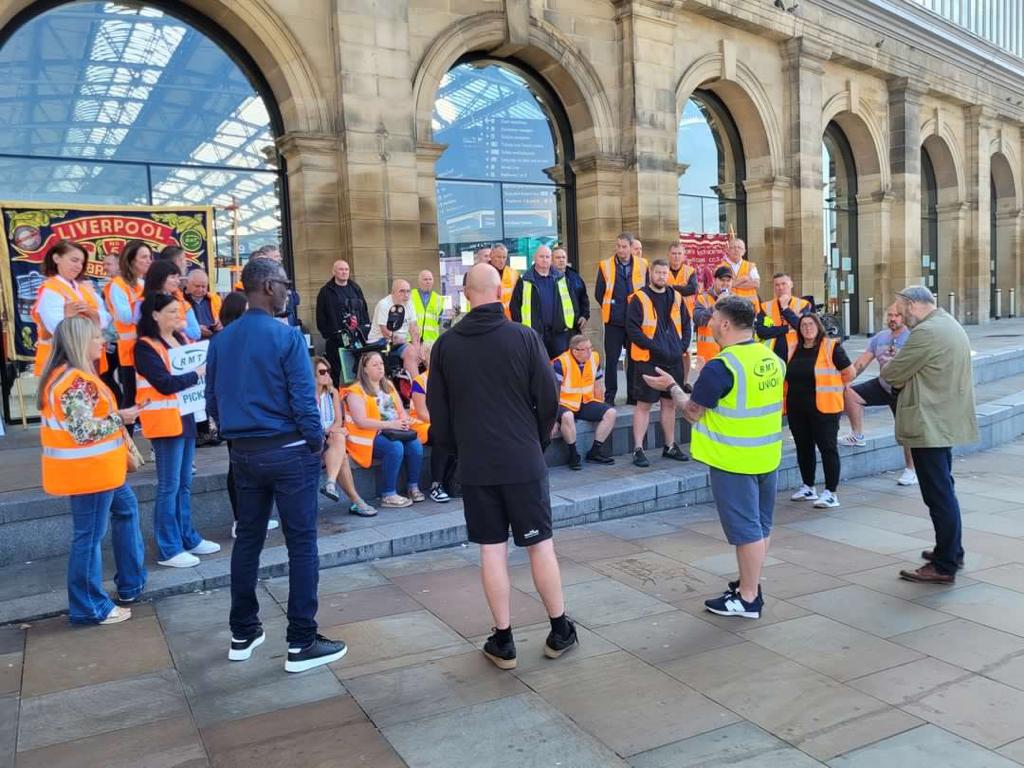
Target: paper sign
{"x":185,"y":359}
{"x":467,"y":258}
{"x":518,"y":263}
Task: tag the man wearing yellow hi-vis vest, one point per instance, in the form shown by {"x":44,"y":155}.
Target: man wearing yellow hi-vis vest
{"x":428,"y":307}
{"x":736,"y":413}
{"x":542,"y":301}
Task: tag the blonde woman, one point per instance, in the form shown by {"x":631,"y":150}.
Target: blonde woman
{"x":84,"y":457}
{"x":335,"y":457}
{"x":380,"y":429}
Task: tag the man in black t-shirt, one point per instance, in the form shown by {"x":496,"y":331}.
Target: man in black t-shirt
{"x":338,"y":298}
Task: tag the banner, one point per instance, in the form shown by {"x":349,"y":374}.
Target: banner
{"x":185,"y":359}
{"x":704,"y":252}
{"x":30,"y":229}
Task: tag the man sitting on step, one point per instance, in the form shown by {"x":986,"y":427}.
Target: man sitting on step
{"x":581,"y":396}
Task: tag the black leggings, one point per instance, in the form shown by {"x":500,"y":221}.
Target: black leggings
{"x":811,"y":429}
{"x":110,"y":377}
{"x":126,"y":375}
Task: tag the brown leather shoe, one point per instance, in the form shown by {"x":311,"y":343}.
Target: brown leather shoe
{"x":927,"y":574}
{"x":929,"y":555}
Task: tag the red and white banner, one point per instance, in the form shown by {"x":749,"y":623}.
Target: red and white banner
{"x":704,"y":252}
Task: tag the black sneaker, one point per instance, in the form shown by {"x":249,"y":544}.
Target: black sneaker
{"x":735,"y":585}
{"x":241,"y":650}
{"x":597,"y":458}
{"x":321,"y":651}
{"x":556,"y":644}
{"x":674,"y":453}
{"x":503,"y":655}
{"x":575,"y":462}
{"x":640,"y":458}
{"x":731,"y":604}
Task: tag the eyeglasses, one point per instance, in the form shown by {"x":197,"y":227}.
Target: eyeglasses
{"x":323,"y":372}
{"x":279,"y":281}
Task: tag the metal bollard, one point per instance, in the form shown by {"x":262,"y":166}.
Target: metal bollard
{"x":999,"y":303}
{"x":952,"y":303}
{"x":846,"y":318}
{"x":871,"y":316}
{"x":1013,"y":302}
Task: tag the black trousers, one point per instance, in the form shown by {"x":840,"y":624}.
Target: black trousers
{"x":934,"y":468}
{"x":614,"y":341}
{"x":811,"y":429}
{"x":442,"y":468}
{"x":331,"y":348}
{"x":232,"y":490}
{"x":555,"y":343}
{"x":126,"y":375}
{"x":110,"y":377}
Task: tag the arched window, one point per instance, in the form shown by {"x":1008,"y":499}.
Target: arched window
{"x":839,"y":177}
{"x":929,"y":223}
{"x":711,"y":193}
{"x":505,"y":173}
{"x":139,"y":105}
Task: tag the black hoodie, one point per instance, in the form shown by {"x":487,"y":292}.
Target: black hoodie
{"x":492,"y":398}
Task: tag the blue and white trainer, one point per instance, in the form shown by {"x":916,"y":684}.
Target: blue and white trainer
{"x":731,"y":604}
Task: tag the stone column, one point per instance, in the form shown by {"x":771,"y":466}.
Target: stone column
{"x":319,"y":235}
{"x":427,"y":155}
{"x":766,"y":224}
{"x":802,"y":66}
{"x":952,"y":262}
{"x":873,"y":273}
{"x":904,"y":247}
{"x":973,"y":305}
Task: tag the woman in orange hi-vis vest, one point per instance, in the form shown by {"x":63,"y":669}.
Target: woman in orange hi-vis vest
{"x":64,"y":293}
{"x":818,"y":372}
{"x":84,"y":457}
{"x":172,"y":434}
{"x":124,"y":296}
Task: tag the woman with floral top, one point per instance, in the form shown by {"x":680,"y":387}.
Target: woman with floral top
{"x":84,"y":457}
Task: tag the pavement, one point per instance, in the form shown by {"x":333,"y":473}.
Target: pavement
{"x":849,"y":666}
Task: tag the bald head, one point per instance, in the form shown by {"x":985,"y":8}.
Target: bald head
{"x":542,"y":260}
{"x":341,"y":271}
{"x":483,"y":285}
{"x":426,"y":280}
{"x":400,"y":291}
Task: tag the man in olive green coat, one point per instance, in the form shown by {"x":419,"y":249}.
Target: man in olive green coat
{"x":934,"y":412}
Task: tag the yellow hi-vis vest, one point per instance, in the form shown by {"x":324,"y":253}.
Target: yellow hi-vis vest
{"x":428,"y":317}
{"x":743,"y":433}
{"x":568,"y":313}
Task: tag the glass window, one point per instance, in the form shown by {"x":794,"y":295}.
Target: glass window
{"x":929,"y":224}
{"x":504,"y":175}
{"x":839,"y":177}
{"x":123,"y":104}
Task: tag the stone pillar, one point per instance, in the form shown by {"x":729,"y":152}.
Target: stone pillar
{"x":427,"y":155}
{"x":802,"y":67}
{"x":904,"y":247}
{"x":319,"y":234}
{"x":973,"y":305}
{"x":875,"y":209}
{"x":1008,"y":218}
{"x":766,"y":224}
{"x":952,"y":262}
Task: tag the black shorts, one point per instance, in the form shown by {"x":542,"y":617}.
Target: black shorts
{"x":492,"y":509}
{"x":592,"y":411}
{"x":873,"y":393}
{"x":645,"y":394}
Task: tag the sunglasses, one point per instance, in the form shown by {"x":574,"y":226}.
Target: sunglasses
{"x":323,"y":372}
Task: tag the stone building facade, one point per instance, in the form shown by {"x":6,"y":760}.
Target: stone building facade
{"x":356,"y":82}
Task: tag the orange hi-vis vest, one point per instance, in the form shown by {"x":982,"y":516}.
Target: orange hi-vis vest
{"x":743,"y":271}
{"x":681,"y":279}
{"x":509,"y":278}
{"x":71,"y":468}
{"x":125,"y":331}
{"x":649,"y":324}
{"x":577,"y":383}
{"x":707,"y":347}
{"x":828,"y":382}
{"x":420,"y":425}
{"x":161,"y":417}
{"x":608,"y":270}
{"x":359,"y":441}
{"x":215,"y":305}
{"x":774,"y":311}
{"x":183,"y":307}
{"x":84,"y":293}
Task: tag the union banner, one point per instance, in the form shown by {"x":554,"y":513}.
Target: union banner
{"x":30,"y":230}
{"x":704,"y":252}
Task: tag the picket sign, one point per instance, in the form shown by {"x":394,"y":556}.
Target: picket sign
{"x":185,"y":359}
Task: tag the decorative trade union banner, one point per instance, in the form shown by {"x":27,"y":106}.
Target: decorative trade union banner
{"x":704,"y":252}
{"x":29,"y":230}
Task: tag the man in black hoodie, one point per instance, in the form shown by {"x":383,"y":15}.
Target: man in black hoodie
{"x":493,"y":399}
{"x":340,"y":296}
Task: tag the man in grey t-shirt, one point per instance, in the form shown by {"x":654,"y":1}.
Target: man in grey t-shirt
{"x":883,"y":348}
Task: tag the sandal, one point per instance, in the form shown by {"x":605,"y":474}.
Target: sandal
{"x":330,"y":490}
{"x":362,"y":509}
{"x":395,"y":502}
{"x":117,"y":615}
{"x":417,"y":495}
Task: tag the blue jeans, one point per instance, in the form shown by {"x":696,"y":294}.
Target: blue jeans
{"x":390,"y":453}
{"x":288,"y":477}
{"x":934,"y":467}
{"x":172,"y":512}
{"x":90,"y":514}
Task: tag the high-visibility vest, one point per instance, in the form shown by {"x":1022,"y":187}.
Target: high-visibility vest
{"x":44,"y":338}
{"x":359,"y":441}
{"x":428,"y":317}
{"x":773,"y":312}
{"x":828,"y":383}
{"x":743,"y":433}
{"x":608,"y":270}
{"x":681,"y":279}
{"x":183,"y":307}
{"x":509,"y":278}
{"x":125,"y":331}
{"x":562,"y":287}
{"x":420,"y":425}
{"x":577,"y":382}
{"x":71,"y":468}
{"x":215,"y":305}
{"x":162,"y":417}
{"x":743,"y":271}
{"x":707,"y":347}
{"x":649,"y":324}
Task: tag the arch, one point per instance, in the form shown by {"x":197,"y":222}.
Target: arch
{"x":749,"y":105}
{"x":948,"y":159}
{"x":1003,"y":181}
{"x":549,"y":53}
{"x":841,"y":188}
{"x":867,"y":137}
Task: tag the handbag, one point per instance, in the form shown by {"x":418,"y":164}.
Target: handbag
{"x":135,"y":460}
{"x":398,"y":435}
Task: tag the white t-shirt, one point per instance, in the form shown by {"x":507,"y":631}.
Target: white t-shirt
{"x":736,"y":269}
{"x":380,"y":318}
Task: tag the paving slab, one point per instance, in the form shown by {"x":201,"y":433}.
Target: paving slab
{"x":361,"y":604}
{"x":341,"y":579}
{"x":988,"y":604}
{"x":742,"y":745}
{"x":661,"y":576}
{"x":911,"y":682}
{"x":965,"y":644}
{"x":667,"y":636}
{"x":924,"y":747}
{"x":978,"y":709}
{"x":606,"y":601}
{"x":9,"y":706}
{"x":870,"y":611}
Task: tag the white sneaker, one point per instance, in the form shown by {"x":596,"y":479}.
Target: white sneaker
{"x":853,"y":440}
{"x":806,"y":493}
{"x":828,"y":500}
{"x":180,"y":560}
{"x":205,"y":547}
{"x":272,"y":524}
{"x":909,"y":477}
